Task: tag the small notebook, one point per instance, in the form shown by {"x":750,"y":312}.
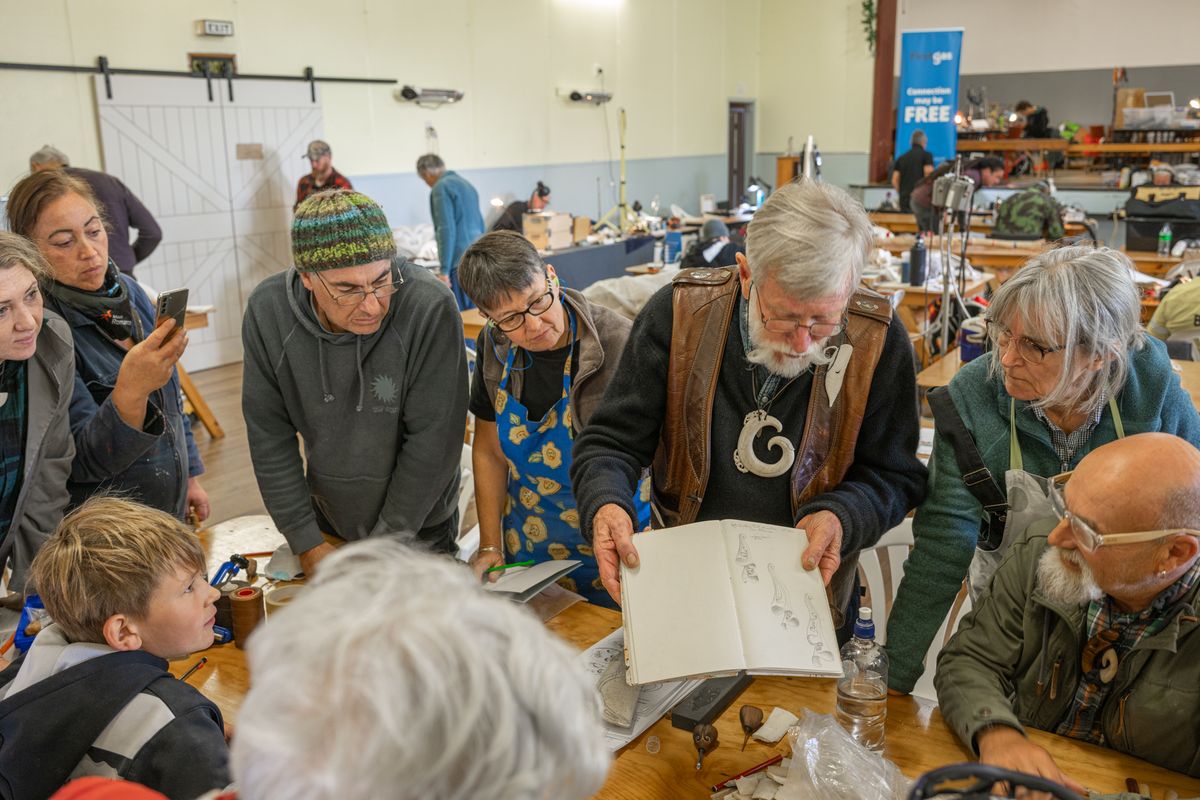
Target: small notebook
{"x":522,"y":584}
{"x":716,"y":597}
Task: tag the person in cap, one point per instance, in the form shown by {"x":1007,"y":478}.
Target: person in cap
{"x":454,"y":206}
{"x":713,"y":248}
{"x":512,"y":218}
{"x":323,"y":175}
{"x":361,"y":354}
{"x":122,"y":209}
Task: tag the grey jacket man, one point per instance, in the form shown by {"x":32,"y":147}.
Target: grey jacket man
{"x":381,"y":416}
{"x":49,"y":449}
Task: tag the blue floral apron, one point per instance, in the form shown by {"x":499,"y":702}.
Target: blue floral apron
{"x":540,"y":517}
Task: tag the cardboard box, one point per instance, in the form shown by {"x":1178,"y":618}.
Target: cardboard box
{"x":581,"y":229}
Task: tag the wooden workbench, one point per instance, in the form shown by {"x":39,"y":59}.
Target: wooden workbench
{"x":911,"y":309}
{"x":917,"y":739}
{"x":900,"y":222}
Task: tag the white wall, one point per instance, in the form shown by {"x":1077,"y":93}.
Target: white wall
{"x":672,"y":64}
{"x":1051,"y":35}
{"x":815,"y":76}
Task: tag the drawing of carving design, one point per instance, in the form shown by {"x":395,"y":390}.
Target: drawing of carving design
{"x":821,"y":655}
{"x":749,"y":574}
{"x":780,"y":603}
{"x":743,"y":553}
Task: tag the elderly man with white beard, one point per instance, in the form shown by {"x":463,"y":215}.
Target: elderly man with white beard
{"x":1090,"y":630}
{"x":777,"y":392}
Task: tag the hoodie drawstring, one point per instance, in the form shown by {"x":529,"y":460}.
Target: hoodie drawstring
{"x":327,"y":396}
{"x":362,"y":384}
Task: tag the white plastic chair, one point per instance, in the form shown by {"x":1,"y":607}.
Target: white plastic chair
{"x":962,"y":605}
{"x":895,"y":544}
{"x":468,"y":542}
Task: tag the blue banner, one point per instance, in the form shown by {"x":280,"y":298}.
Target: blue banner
{"x":929,"y":90}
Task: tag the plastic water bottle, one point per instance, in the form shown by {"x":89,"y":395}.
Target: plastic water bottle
{"x":862,"y":689}
{"x":916,"y":261}
{"x":1164,"y":239}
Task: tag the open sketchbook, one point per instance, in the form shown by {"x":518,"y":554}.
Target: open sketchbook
{"x":716,"y":597}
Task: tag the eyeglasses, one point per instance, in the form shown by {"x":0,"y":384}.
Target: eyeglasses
{"x":817,"y":330}
{"x":358,"y":295}
{"x":1086,"y":537}
{"x":1030,"y":351}
{"x":538,"y":307}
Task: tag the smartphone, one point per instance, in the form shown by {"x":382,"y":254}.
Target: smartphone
{"x":172,"y":305}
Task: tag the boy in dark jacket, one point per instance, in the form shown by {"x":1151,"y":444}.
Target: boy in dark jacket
{"x":125,"y":586}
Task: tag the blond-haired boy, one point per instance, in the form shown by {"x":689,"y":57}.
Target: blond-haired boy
{"x":125,"y":585}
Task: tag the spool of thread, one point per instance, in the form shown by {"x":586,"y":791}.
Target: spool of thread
{"x":281,"y":596}
{"x":247,"y":607}
{"x":224,"y":614}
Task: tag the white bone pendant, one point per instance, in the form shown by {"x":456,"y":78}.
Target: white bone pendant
{"x":837,"y":372}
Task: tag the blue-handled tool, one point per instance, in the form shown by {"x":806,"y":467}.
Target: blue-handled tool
{"x":222,"y":635}
{"x":230,"y":568}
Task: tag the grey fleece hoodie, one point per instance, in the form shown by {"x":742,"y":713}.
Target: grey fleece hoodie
{"x":381,"y":416}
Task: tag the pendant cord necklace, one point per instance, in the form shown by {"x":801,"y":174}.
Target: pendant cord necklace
{"x":766,"y":405}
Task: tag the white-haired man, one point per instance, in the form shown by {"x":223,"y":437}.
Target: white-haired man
{"x":786,"y":342}
{"x":1091,"y":630}
{"x":426,"y":687}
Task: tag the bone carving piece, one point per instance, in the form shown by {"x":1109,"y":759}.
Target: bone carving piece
{"x":744,"y":457}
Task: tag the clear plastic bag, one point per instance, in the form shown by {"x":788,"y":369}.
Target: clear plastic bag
{"x":827,"y":764}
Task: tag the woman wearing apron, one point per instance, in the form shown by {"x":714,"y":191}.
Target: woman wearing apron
{"x":1070,"y":369}
{"x":542,"y":363}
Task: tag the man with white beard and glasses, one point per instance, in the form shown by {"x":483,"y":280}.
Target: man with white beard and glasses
{"x":777,"y":392}
{"x":1091,"y":631}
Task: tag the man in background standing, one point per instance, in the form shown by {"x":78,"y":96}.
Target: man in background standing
{"x":121,"y":209}
{"x":323,"y":175}
{"x":910,"y":168}
{"x":454,"y":205}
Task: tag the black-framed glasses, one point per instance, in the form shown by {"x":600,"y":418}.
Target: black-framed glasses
{"x":510,"y":322}
{"x":356,"y":296}
{"x":817,"y":330}
{"x":1030,"y":351}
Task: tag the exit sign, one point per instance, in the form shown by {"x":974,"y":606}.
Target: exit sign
{"x":214,"y":27}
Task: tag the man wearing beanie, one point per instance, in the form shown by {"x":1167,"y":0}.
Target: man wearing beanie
{"x":713,"y":248}
{"x":361,"y":354}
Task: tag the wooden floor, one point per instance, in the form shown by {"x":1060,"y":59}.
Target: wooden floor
{"x":229,"y":476}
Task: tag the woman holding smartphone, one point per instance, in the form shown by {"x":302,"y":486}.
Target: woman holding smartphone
{"x":131,"y":434}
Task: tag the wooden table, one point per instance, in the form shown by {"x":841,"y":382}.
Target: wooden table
{"x":192,"y":321}
{"x":911,"y":309}
{"x":917,"y":739}
{"x":941,"y":371}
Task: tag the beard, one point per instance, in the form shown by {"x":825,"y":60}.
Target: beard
{"x":780,"y":358}
{"x":1061,"y":584}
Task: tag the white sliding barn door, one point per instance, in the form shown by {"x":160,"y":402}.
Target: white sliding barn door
{"x":225,"y":219}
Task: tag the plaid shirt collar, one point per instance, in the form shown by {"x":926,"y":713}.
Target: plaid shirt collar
{"x":1066,"y":445}
{"x":1126,"y":631}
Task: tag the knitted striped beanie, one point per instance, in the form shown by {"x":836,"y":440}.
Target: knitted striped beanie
{"x":339,"y":228}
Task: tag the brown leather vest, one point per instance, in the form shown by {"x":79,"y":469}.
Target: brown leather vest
{"x":703,"y":310}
